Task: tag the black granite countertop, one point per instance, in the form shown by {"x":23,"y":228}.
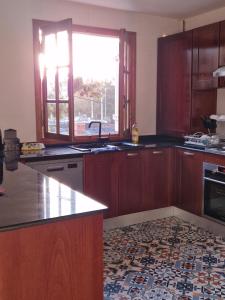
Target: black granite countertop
{"x":28,"y":198}
{"x":50,"y":152}
{"x":65,"y":151}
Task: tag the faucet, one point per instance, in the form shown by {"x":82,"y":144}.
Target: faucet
{"x":100,"y":127}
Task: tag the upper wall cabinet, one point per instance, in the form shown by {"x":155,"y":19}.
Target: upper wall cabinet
{"x":222,"y":52}
{"x":179,"y":106}
{"x":174,"y":84}
{"x":205,"y":56}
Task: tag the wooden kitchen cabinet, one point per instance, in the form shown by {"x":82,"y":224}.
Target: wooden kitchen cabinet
{"x":158,"y":178}
{"x":189,"y":180}
{"x":130,"y":184}
{"x":174,"y":84}
{"x":186,"y":89}
{"x":222,"y":52}
{"x":130,"y":181}
{"x":101,"y":180}
{"x":205,"y":56}
{"x":53,"y":261}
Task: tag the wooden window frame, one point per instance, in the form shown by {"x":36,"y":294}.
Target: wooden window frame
{"x":125,"y":120}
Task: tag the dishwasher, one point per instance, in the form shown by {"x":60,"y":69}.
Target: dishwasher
{"x":66,"y":171}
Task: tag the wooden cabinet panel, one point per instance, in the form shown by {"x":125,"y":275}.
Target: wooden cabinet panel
{"x":205,"y":56}
{"x":158,"y":178}
{"x":174,"y":84}
{"x":55,"y":261}
{"x":189,"y":177}
{"x":130,"y":182}
{"x":100,"y":180}
{"x":180,"y":103}
{"x":222,"y":52}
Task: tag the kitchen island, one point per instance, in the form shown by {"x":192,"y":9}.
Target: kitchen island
{"x":50,"y":239}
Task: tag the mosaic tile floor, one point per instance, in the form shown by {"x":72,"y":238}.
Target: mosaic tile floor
{"x":166,"y":259}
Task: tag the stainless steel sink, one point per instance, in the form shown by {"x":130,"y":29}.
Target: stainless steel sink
{"x":87,"y":147}
{"x":109,"y":146}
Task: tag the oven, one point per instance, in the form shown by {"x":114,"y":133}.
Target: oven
{"x":214,"y":192}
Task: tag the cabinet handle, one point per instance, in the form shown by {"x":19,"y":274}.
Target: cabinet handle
{"x":188,"y":153}
{"x":53,"y":169}
{"x":157,"y":152}
{"x":132,"y":154}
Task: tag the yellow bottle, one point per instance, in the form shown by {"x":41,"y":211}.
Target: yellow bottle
{"x":135,"y":134}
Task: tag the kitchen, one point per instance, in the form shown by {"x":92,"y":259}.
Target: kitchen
{"x":17,"y":69}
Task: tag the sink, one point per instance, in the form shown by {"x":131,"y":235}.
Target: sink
{"x":109,"y":146}
{"x":88,"y":147}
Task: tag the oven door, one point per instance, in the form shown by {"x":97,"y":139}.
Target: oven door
{"x":214,"y":196}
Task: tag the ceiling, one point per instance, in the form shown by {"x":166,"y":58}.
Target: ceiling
{"x":170,"y":8}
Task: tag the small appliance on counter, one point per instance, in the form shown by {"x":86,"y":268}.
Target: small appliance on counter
{"x":11,"y":142}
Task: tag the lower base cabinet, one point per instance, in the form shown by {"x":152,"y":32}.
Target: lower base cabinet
{"x":130,"y":181}
{"x":101,"y":180}
{"x":189,"y":180}
{"x":158,"y":178}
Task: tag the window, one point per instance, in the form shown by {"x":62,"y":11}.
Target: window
{"x":83,"y":74}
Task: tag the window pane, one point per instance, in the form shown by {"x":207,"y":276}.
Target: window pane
{"x":96,"y":83}
{"x":62,"y":48}
{"x":64,"y":118}
{"x":50,"y":51}
{"x":50,"y":76}
{"x":51,"y":112}
{"x":63,"y":74}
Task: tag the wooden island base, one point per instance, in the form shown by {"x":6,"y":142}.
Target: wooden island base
{"x":62,"y":260}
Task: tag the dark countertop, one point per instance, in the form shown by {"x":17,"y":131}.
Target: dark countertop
{"x":146,"y":142}
{"x":209,"y":150}
{"x":64,"y":151}
{"x":51,"y":152}
{"x":32,"y":198}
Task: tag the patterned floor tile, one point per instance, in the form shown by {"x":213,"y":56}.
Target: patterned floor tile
{"x":162,"y":260}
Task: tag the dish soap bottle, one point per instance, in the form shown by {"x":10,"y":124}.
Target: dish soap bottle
{"x":135,"y":134}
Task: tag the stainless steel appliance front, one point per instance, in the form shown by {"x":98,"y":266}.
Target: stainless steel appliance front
{"x":214,"y":192}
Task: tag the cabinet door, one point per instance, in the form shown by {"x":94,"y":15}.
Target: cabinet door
{"x":100,"y":180}
{"x":130,"y":182}
{"x":174,"y":84}
{"x":158,"y":173}
{"x":189,"y":180}
{"x":222,"y":52}
{"x":205,"y":56}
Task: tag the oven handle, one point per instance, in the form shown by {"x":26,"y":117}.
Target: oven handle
{"x":214,"y":180}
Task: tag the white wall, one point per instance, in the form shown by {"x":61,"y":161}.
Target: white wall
{"x":17,"y":104}
{"x":205,"y":19}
